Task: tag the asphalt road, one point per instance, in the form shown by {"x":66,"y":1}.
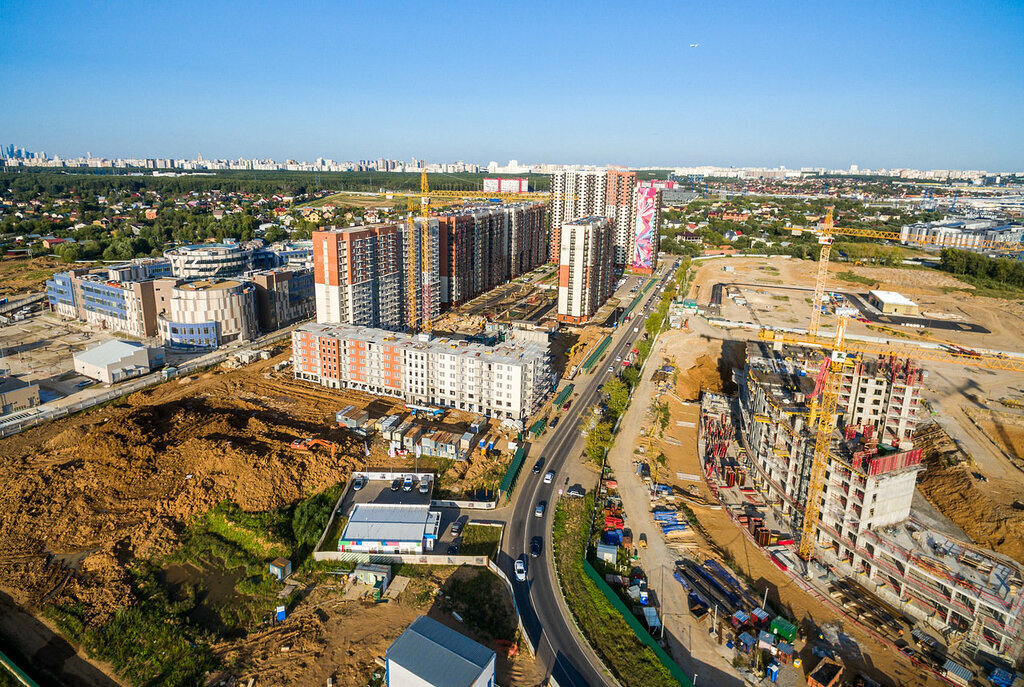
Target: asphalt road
{"x":544,"y":616}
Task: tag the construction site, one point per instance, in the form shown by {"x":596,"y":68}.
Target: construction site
{"x":181,"y":484}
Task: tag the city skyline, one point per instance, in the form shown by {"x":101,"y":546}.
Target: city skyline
{"x":869,"y":84}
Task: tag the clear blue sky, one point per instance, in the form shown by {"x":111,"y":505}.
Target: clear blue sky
{"x":894,"y":83}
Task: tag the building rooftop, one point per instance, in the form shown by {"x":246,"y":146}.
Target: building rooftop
{"x":209,"y":284}
{"x":507,"y":353}
{"x":8,"y":384}
{"x":892,"y":297}
{"x":391,"y":522}
{"x":108,"y":352}
{"x":439,"y":655}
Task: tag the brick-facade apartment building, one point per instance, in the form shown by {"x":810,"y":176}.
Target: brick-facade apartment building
{"x":585,"y":278}
{"x":508,"y":380}
{"x":868,"y":528}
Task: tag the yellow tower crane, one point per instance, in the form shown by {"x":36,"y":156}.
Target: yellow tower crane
{"x":827,"y":386}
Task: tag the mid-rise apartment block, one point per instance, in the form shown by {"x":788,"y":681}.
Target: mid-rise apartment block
{"x":585,"y":274}
{"x":358,"y":276}
{"x":868,"y":528}
{"x":509,"y":380}
{"x":284,"y":296}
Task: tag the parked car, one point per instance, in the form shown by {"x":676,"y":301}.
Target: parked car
{"x":576,"y":492}
{"x":550,"y":475}
{"x":358,"y":483}
{"x":539,"y":510}
{"x":456,"y":528}
{"x":643,"y":540}
{"x":520,"y":570}
{"x":396,"y":484}
{"x":565,"y":406}
{"x":535,"y":547}
{"x":424,"y":484}
{"x":538,"y":465}
{"x":407,"y":483}
{"x":453,"y":550}
{"x":554,"y":422}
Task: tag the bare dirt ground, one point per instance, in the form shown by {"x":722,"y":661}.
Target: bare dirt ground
{"x":87,"y":495}
{"x":330,"y":637}
{"x":937,"y":293}
{"x":691,"y":352}
{"x":19,"y":275}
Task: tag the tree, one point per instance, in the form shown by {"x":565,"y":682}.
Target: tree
{"x":69,"y":252}
{"x":618,"y":395}
{"x":599,"y":439}
{"x":275,"y":234}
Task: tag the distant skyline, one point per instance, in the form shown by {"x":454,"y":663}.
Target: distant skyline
{"x":909,"y":84}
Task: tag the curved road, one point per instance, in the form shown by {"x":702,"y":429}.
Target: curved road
{"x":539,"y":601}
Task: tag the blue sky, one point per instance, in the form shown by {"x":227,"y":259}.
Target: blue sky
{"x":894,"y":83}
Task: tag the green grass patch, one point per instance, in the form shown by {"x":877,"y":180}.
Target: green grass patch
{"x":780,"y":298}
{"x":480,"y":540}
{"x":633,"y":663}
{"x":856,"y":279}
{"x":334,"y":534}
{"x":482,"y":602}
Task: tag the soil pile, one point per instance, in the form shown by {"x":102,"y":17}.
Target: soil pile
{"x":86,"y":495}
{"x":954,"y":492}
{"x":703,"y":375}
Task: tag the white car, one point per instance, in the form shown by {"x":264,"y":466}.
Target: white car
{"x":550,"y":475}
{"x":539,"y":510}
{"x":520,"y":571}
{"x":611,"y":369}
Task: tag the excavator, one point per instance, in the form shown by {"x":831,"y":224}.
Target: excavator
{"x":308,"y":443}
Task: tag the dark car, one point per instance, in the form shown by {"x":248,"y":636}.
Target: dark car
{"x":554,"y":422}
{"x":538,"y":465}
{"x":453,"y":550}
{"x":456,"y":528}
{"x":535,"y":546}
{"x":396,"y":484}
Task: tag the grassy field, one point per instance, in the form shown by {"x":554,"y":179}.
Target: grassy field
{"x":633,"y":663}
{"x":480,"y":540}
{"x":857,"y":279}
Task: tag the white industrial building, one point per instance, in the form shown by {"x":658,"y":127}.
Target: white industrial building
{"x":386,"y":528}
{"x":115,"y":360}
{"x":429,"y":654}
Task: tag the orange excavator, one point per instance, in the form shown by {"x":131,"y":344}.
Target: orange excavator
{"x":309,"y":443}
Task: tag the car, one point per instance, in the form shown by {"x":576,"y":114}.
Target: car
{"x":539,"y":510}
{"x":520,"y":570}
{"x":907,"y":651}
{"x":456,"y":528}
{"x":611,"y":368}
{"x":643,"y":540}
{"x":565,"y":406}
{"x":618,"y":358}
{"x":576,"y":492}
{"x":82,"y":385}
{"x":535,"y":547}
{"x":407,"y":483}
{"x":396,"y":484}
{"x":453,"y":549}
{"x":424,"y":484}
{"x":550,"y":475}
{"x":538,"y":465}
{"x":358,"y":483}
{"x":554,"y":422}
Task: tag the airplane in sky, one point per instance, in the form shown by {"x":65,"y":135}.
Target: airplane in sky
{"x":694,"y":45}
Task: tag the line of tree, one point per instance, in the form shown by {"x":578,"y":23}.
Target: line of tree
{"x":982,"y":269}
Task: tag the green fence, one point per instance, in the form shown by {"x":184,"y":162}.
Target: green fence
{"x":634,"y":624}
{"x":590,"y":362}
{"x":639,"y":297}
{"x":562,"y":395}
{"x":15,"y":672}
{"x":508,"y":483}
{"x":537,"y":427}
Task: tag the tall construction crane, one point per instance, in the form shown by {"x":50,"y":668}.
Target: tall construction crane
{"x":827,"y":230}
{"x":827,"y":386}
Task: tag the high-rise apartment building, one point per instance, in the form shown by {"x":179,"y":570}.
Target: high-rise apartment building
{"x":509,"y":380}
{"x":528,"y":248}
{"x":421,"y":272}
{"x":358,"y":276}
{"x":620,"y":207}
{"x":585,"y":276}
{"x":574,"y":195}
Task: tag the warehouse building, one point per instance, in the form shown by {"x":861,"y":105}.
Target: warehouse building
{"x":115,"y":361}
{"x":508,"y":380}
{"x":892,"y":303}
{"x":16,"y":394}
{"x":429,"y":654}
{"x":398,"y":528}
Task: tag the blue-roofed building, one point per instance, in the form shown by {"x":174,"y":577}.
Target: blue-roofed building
{"x":429,"y":654}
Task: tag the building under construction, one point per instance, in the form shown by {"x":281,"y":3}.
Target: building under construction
{"x":867,"y":527}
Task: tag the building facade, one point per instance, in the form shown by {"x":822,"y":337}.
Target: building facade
{"x":620,"y":207}
{"x":574,"y":194}
{"x":358,"y":276}
{"x":16,"y":394}
{"x":283,"y":297}
{"x":209,"y":260}
{"x":119,"y":298}
{"x":509,"y":380}
{"x":206,"y":314}
{"x":645,"y":237}
{"x":585,"y":273}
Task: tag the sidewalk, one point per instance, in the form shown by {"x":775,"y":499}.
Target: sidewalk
{"x":696,"y":651}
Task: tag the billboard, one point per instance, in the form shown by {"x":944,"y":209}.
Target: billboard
{"x":643,"y":236}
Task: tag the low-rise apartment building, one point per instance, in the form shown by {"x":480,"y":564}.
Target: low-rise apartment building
{"x":508,"y":380}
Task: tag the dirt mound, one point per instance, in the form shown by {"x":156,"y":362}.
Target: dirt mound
{"x":951,"y":489}
{"x":703,"y":375}
{"x":86,"y":495}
